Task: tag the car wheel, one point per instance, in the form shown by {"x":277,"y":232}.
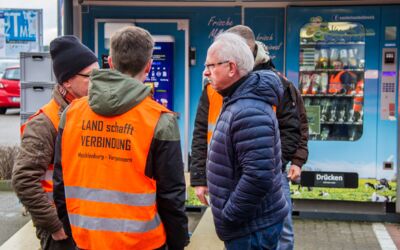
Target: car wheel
{"x":3,"y":111}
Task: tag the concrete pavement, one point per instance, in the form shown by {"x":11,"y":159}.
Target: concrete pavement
{"x":204,"y":237}
{"x":11,"y":219}
{"x":24,"y":239}
{"x":314,"y":234}
{"x":310,"y":234}
{"x":317,"y":234}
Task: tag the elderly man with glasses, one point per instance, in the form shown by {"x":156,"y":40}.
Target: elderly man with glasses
{"x":244,"y":158}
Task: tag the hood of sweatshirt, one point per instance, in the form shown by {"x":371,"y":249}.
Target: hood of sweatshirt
{"x":113,"y":93}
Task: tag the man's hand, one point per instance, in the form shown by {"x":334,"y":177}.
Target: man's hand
{"x":201,"y":192}
{"x":59,"y":235}
{"x":294,"y":172}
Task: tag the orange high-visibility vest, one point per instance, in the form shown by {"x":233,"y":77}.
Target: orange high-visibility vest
{"x":111,"y":203}
{"x":335,"y":84}
{"x":359,"y":98}
{"x":215,"y":106}
{"x":51,"y":110}
{"x":360,"y":87}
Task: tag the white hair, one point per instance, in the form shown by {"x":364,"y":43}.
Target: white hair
{"x":231,"y":47}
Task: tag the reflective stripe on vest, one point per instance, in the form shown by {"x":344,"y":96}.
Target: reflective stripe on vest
{"x":111,"y":203}
{"x":114,"y":225}
{"x":101,"y":195}
{"x":215,"y":106}
{"x":50,"y":110}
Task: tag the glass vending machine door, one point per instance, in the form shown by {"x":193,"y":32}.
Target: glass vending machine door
{"x":331,"y":79}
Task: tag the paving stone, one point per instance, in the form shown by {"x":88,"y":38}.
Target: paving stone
{"x":319,"y":234}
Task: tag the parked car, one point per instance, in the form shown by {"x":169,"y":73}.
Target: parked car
{"x":10,"y":89}
{"x":7,"y":63}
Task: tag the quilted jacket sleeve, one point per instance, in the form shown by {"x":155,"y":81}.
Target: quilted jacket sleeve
{"x":255,"y":137}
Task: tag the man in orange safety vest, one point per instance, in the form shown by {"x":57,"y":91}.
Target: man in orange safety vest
{"x":118,"y":175}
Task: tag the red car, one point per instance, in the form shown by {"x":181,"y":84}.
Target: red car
{"x":10,"y":89}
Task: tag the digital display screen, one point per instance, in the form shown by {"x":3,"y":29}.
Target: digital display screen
{"x":160,"y":77}
{"x":389,"y":57}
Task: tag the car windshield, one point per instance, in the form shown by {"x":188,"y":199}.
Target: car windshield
{"x":12,"y":74}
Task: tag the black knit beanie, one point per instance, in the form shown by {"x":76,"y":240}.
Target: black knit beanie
{"x":69,"y":57}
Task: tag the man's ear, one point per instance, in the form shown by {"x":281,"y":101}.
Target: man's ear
{"x":109,"y":60}
{"x":148,"y":66}
{"x":67,"y":84}
{"x":232,"y":69}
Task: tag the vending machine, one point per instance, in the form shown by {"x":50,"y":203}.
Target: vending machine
{"x":160,"y":77}
{"x":344,"y":61}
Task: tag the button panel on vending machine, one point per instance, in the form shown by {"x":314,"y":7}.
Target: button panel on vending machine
{"x":388,"y":84}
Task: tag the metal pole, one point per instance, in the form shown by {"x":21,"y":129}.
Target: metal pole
{"x":59,"y":17}
{"x":68,"y":18}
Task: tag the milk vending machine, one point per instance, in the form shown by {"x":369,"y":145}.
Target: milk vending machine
{"x":344,"y":61}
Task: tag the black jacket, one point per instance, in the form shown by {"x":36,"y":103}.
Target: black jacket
{"x":293,"y":125}
{"x":293,"y":128}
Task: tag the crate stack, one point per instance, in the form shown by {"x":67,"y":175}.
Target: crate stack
{"x":37,"y":82}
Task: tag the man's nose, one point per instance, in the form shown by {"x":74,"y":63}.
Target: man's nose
{"x":206,"y":72}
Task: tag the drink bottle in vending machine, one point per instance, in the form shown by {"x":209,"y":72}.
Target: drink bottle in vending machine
{"x":352,"y":58}
{"x":334,"y":61}
{"x":305,"y":84}
{"x":344,"y":58}
{"x":324,"y":83}
{"x":315,"y":83}
{"x":323,"y":59}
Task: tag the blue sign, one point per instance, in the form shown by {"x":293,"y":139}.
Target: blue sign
{"x":21,"y":25}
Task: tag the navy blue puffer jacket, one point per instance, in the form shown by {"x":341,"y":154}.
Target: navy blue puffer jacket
{"x":244,"y":160}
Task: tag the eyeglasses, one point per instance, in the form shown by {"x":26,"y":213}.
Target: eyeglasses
{"x":84,"y":75}
{"x":211,"y":66}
